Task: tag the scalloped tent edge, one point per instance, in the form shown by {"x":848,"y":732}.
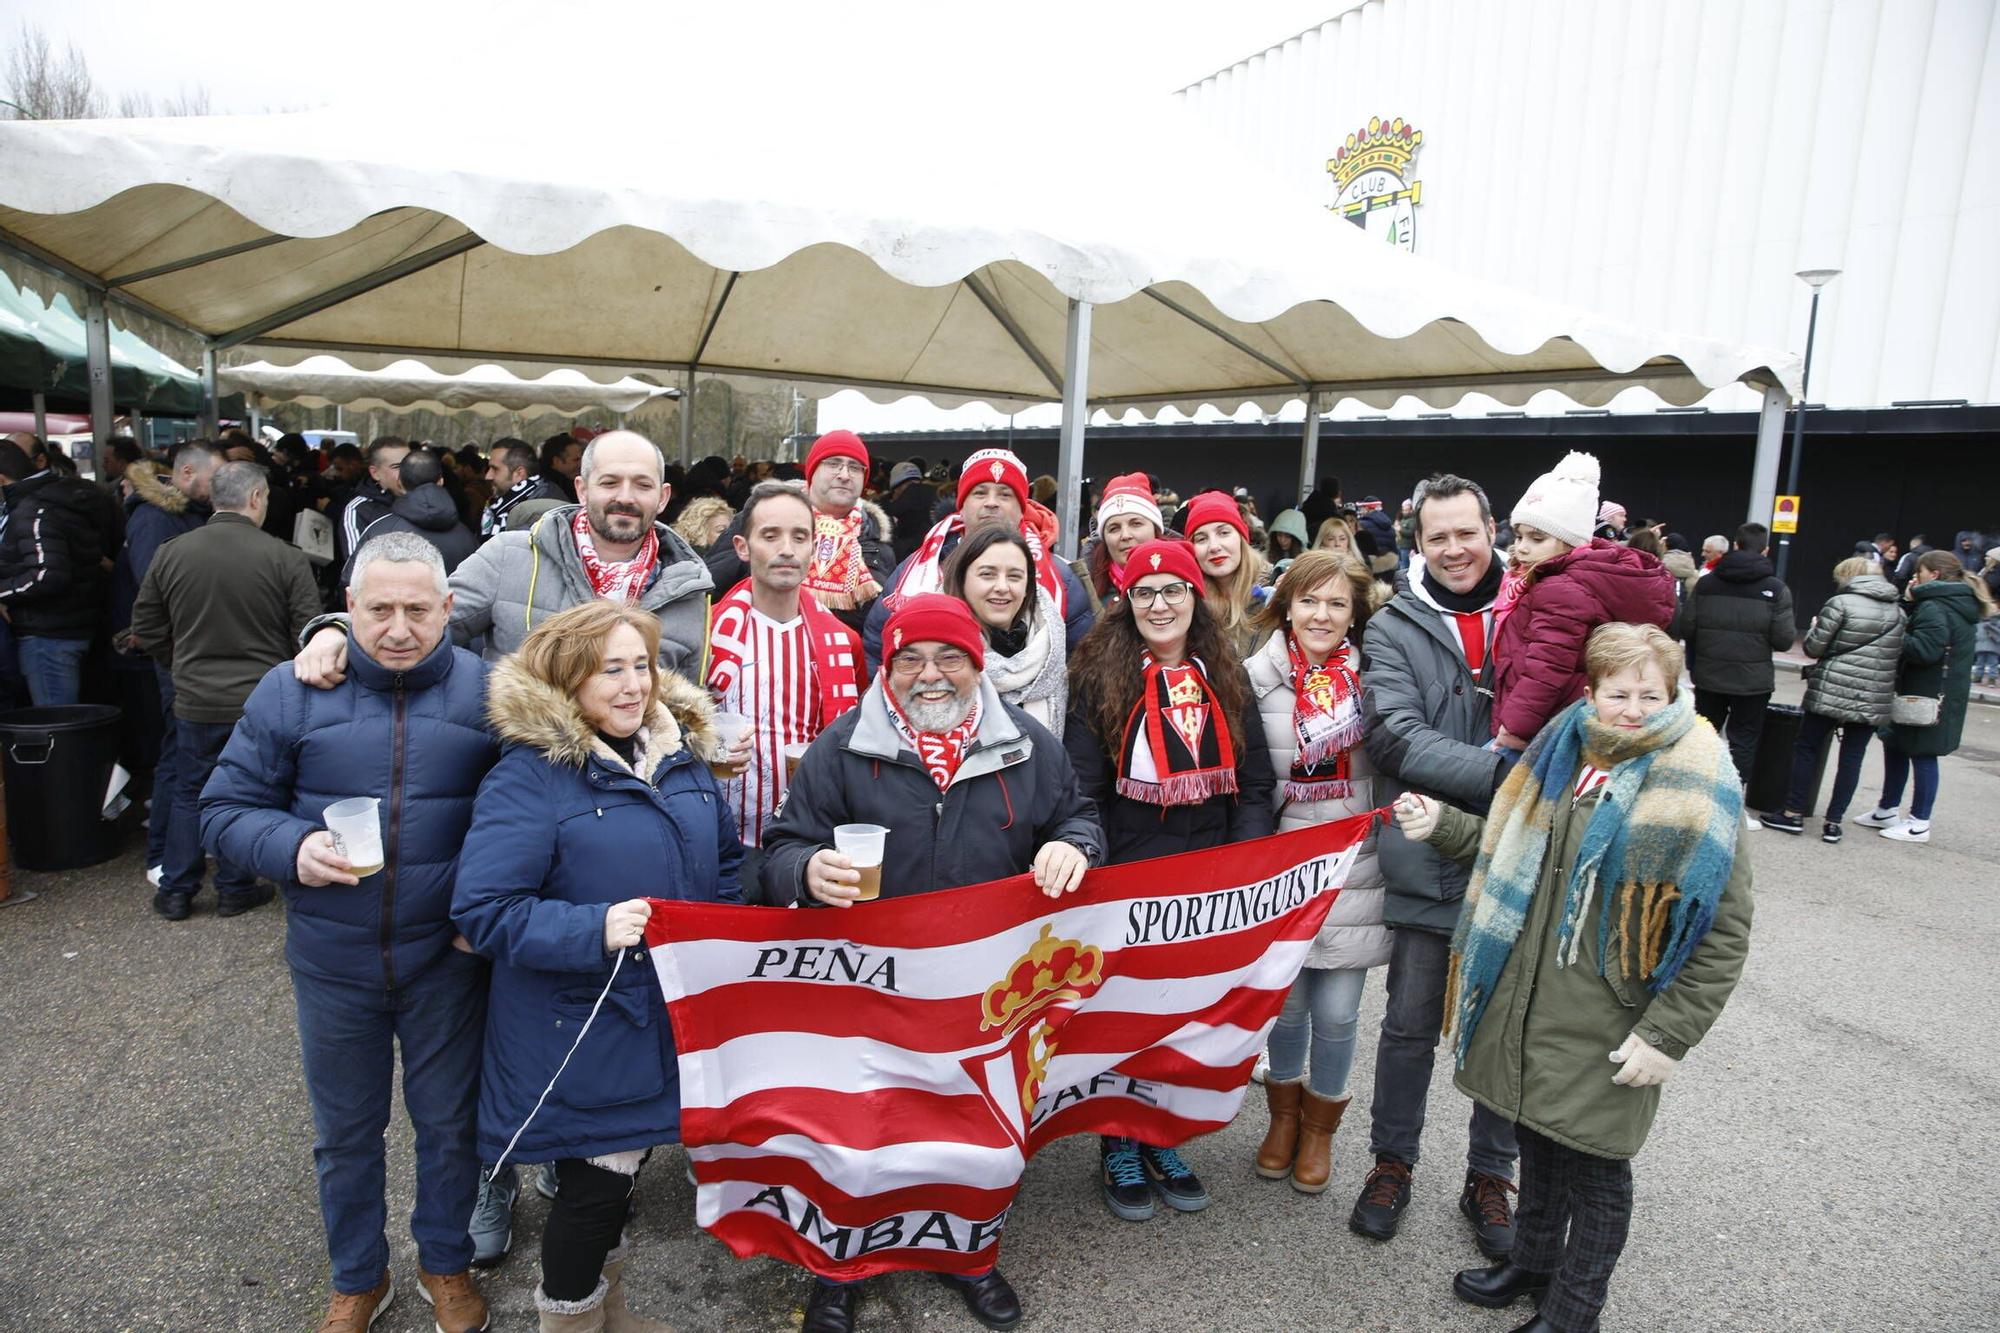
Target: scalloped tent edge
{"x":345,"y":233}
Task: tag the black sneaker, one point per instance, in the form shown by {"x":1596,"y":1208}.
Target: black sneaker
{"x":1180,"y":1187}
{"x":1830,"y":832}
{"x":236,"y":904}
{"x":173,"y":906}
{"x":1384,"y":1196}
{"x":1783,"y":823}
{"x":1484,"y":1203}
{"x":1123,"y":1177}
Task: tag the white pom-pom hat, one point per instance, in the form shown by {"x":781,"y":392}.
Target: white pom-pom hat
{"x":1563,"y":502}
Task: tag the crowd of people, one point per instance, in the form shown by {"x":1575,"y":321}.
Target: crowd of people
{"x":554,"y":668}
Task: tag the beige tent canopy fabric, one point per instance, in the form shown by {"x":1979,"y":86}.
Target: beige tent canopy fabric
{"x":322,"y":381}
{"x":897,"y":256}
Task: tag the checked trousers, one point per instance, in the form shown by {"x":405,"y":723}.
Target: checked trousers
{"x":1574,"y":1214}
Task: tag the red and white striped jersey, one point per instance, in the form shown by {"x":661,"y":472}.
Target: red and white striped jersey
{"x":774,"y":689}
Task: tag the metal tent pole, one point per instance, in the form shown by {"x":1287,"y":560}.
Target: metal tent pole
{"x":97,"y":343}
{"x":41,"y":417}
{"x":1764,"y":472}
{"x":211,"y":406}
{"x":1075,"y":416}
{"x":1309,"y":450}
{"x":687,"y":421}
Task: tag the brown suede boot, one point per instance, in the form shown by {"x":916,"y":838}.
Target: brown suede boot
{"x":1281,"y":1140}
{"x":617,"y":1318}
{"x":358,"y":1313}
{"x":456,"y":1305}
{"x":1319,"y":1117}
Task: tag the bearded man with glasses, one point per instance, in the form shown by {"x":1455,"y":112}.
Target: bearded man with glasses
{"x":970,"y":788}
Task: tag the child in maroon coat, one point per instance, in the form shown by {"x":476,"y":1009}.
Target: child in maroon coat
{"x":1569,"y":583}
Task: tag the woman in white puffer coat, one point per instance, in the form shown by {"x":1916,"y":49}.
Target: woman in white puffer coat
{"x":1306,"y":680}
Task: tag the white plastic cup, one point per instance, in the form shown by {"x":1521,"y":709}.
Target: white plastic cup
{"x":729,"y":728}
{"x":862,"y":845}
{"x":356,"y":826}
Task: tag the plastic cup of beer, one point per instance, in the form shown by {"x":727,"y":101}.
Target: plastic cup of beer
{"x":729,"y":728}
{"x":861,"y":844}
{"x":794,"y":756}
{"x":356,"y":826}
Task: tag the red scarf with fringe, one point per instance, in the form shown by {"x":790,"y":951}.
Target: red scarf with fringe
{"x":1176,"y":749}
{"x":836,"y":573}
{"x":1326,"y":721}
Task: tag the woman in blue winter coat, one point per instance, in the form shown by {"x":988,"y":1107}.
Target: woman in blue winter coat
{"x":600,"y":800}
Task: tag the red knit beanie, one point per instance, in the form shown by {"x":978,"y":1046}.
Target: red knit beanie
{"x":837,"y":444}
{"x":1162,"y":555}
{"x":1215,"y":507}
{"x":994,"y":465}
{"x":932,"y":617}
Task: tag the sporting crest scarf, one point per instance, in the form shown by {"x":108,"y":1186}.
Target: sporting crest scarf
{"x":1326,"y":720}
{"x":1176,"y":749}
{"x":615,"y":580}
{"x":835,"y":654}
{"x":926,"y":568}
{"x":1663,"y":838}
{"x":837,"y":575}
{"x":940,"y":752}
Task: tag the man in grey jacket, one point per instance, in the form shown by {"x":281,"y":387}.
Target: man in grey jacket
{"x":1428,"y":715}
{"x":610,"y":545}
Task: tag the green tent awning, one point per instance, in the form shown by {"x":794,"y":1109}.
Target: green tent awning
{"x":43,"y":350}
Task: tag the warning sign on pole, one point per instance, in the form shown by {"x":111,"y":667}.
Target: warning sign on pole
{"x":1785,"y":514}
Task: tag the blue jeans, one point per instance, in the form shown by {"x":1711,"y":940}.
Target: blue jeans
{"x":347,"y":1041}
{"x":1324,"y":1005}
{"x":1854,"y":737}
{"x":53,"y":667}
{"x":164,"y":787}
{"x":1896,"y":768}
{"x":199,"y":745}
{"x":1406,"y":1053}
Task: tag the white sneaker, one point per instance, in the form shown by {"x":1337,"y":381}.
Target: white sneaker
{"x":1261,"y":1068}
{"x":1908,"y":831}
{"x":1751,"y":821}
{"x":154,"y":875}
{"x":1880,"y":819}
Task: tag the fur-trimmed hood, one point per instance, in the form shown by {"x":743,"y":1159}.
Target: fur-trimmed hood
{"x":149,"y":483}
{"x":526,"y":711}
{"x":884,"y":525}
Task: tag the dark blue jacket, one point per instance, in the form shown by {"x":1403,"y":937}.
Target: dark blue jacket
{"x":417,"y":740}
{"x":562,"y":830}
{"x":155,"y":513}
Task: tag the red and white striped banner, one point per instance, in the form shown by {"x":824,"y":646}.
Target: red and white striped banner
{"x":861,"y":1089}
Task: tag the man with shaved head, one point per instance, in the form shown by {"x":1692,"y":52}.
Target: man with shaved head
{"x":612,"y":544}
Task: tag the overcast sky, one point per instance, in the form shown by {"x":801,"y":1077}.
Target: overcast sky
{"x":255,"y":55}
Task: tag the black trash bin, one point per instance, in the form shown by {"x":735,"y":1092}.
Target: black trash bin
{"x":58,"y":765}
{"x":1771,"y":766}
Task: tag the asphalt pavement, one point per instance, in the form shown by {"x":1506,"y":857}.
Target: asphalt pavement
{"x":1827,"y":1160}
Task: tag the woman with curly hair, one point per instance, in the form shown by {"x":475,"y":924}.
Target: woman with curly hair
{"x":1166,"y":740}
{"x":704,"y":521}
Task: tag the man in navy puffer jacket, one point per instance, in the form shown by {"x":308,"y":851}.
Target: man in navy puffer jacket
{"x":372,"y":958}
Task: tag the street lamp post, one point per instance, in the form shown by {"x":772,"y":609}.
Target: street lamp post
{"x":1814,"y":278}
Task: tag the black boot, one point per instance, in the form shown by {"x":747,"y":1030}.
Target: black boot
{"x":1499,"y":1285}
{"x":1484,"y":1203}
{"x":990,"y":1298}
{"x":830,"y":1309}
{"x":1384,"y":1196}
{"x":1537,"y":1325}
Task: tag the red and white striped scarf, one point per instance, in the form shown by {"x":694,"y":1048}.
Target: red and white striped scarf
{"x":615,"y":580}
{"x":836,"y":573}
{"x":926,"y":569}
{"x":940,"y":752}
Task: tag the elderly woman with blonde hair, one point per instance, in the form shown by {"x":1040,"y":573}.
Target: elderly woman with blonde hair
{"x":599,"y":802}
{"x":1605,"y":925}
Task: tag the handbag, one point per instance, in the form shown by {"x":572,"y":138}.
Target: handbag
{"x":1921,"y":710}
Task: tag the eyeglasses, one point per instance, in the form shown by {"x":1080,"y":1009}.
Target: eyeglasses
{"x":950,"y":661}
{"x":1173,"y":594}
{"x":842,"y":467}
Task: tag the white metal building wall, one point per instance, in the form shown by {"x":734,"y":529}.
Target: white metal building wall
{"x":1674,"y":162}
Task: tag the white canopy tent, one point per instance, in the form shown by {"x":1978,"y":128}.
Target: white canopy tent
{"x":406,"y":384}
{"x":861,"y":246}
